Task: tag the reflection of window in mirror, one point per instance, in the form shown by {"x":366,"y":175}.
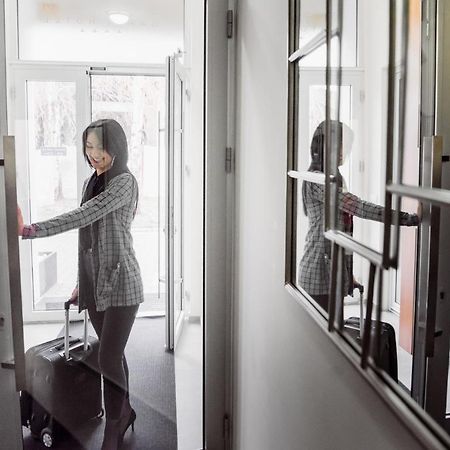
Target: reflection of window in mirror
{"x":313,"y":23}
{"x":314,"y":262}
{"x":360,"y":105}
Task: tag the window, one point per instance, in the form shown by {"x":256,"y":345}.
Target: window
{"x":359,"y":164}
{"x":52,"y":149}
{"x":149,"y":35}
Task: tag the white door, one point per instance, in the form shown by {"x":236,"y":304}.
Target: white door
{"x":138,"y":101}
{"x":52,"y":106}
{"x":174,"y":202}
{"x":50,"y":110}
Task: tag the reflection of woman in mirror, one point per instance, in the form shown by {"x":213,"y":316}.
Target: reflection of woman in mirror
{"x":109,"y":279}
{"x":314,"y":267}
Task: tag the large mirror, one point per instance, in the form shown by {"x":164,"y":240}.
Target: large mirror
{"x":367,"y":152}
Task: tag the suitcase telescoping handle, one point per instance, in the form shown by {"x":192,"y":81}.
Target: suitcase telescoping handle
{"x":67,"y":326}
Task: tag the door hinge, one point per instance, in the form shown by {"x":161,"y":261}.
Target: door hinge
{"x":228,"y":160}
{"x":226,"y":427}
{"x":230,"y":23}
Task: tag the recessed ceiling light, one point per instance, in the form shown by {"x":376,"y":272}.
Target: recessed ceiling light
{"x":119,"y":18}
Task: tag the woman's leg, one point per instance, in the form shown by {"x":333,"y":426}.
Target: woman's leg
{"x":113,"y":328}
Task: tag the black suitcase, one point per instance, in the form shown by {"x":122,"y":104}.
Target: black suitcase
{"x":387,"y":357}
{"x":63,"y":387}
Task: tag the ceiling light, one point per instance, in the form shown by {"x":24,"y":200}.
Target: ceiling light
{"x":119,"y":18}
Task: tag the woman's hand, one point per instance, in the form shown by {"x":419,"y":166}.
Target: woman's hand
{"x":20,"y":223}
{"x":74,"y":296}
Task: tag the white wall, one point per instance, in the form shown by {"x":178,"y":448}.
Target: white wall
{"x":294,"y":389}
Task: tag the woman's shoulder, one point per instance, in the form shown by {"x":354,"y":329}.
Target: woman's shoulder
{"x":125,"y":177}
{"x":124,"y":180}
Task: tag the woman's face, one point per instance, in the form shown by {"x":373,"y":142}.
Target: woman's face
{"x":99,"y":158}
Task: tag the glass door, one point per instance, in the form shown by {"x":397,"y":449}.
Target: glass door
{"x":52,"y":107}
{"x":174,"y":206}
{"x":178,"y":161}
{"x":50,"y":111}
{"x":137,"y":102}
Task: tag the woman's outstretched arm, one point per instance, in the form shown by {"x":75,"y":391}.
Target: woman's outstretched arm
{"x":355,"y":206}
{"x":118,"y":193}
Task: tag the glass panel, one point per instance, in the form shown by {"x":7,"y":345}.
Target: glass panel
{"x":358,"y":110}
{"x":178,"y":198}
{"x":138,"y":104}
{"x":52,"y":150}
{"x":162,"y":205}
{"x":313,"y":22}
{"x":150,"y":34}
{"x":311,"y":136}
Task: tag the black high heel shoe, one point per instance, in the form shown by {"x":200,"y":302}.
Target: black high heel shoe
{"x":115,"y":430}
{"x":125,"y":424}
{"x":130,"y":421}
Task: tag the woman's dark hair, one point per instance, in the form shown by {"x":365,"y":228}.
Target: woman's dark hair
{"x":317,"y":151}
{"x":113,"y":139}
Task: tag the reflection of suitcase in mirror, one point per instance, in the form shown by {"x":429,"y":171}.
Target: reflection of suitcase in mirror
{"x":62,"y":391}
{"x":387,"y":357}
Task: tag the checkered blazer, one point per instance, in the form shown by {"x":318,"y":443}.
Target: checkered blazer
{"x":117,"y":273}
{"x":314,"y":267}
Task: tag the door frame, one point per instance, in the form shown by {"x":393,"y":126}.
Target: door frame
{"x":217,"y":318}
{"x":10,"y":426}
{"x":435,"y":364}
{"x":179,"y":77}
{"x":79,"y":73}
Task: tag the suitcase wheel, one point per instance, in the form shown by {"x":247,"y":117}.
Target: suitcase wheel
{"x":47,"y":437}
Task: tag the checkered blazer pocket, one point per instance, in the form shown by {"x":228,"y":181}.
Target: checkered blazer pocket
{"x":108,"y":280}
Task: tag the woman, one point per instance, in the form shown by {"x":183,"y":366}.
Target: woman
{"x":314,"y":267}
{"x":109,"y":279}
